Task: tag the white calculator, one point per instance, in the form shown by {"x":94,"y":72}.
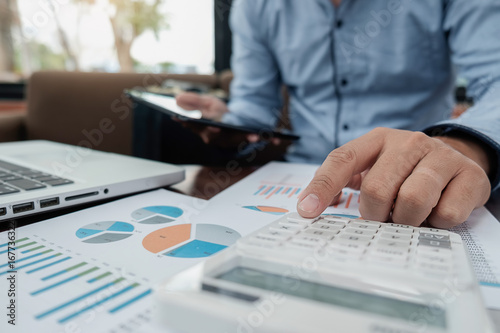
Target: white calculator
{"x":330,"y":274}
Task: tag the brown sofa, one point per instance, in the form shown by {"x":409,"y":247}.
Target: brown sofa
{"x":84,"y":108}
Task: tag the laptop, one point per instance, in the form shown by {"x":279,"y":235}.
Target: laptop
{"x":39,"y":176}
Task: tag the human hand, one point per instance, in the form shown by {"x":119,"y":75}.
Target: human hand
{"x":211,"y":107}
{"x":406,"y":177}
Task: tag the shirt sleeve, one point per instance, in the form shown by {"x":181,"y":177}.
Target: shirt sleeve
{"x":473,"y":31}
{"x":255,"y":90}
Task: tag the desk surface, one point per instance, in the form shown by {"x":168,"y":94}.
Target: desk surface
{"x":206,"y":182}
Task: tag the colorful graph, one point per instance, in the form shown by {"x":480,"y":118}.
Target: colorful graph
{"x":105,"y":232}
{"x":157,"y":214}
{"x":348,"y":200}
{"x":268,"y":209}
{"x":190,"y":241}
{"x":69,"y":287}
{"x":268,"y":191}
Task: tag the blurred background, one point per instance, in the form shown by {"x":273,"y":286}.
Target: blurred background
{"x":175,"y":36}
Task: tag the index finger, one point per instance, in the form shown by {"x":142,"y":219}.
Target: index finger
{"x":336,"y":171}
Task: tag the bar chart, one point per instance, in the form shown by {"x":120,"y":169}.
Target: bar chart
{"x":63,"y":287}
{"x":269,"y":191}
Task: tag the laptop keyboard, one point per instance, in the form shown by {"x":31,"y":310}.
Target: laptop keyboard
{"x":15,"y":178}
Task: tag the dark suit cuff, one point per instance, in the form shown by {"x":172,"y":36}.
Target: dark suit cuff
{"x":492,"y":147}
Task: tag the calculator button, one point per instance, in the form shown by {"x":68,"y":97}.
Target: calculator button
{"x":364,"y":225}
{"x":355,"y":238}
{"x":399,"y":230}
{"x":306,"y":239}
{"x":358,"y":248}
{"x":434,"y":231}
{"x":427,"y":250}
{"x":321,"y":226}
{"x":387,"y":260}
{"x":433,"y":259}
{"x":276,"y":234}
{"x":298,"y":225}
{"x":295,"y":217}
{"x":357,"y":231}
{"x":326,"y":234}
{"x":337,"y":253}
{"x":395,"y":225}
{"x":285,"y":228}
{"x":391,"y":252}
{"x":432,"y":236}
{"x":267,"y":238}
{"x":434,"y":268}
{"x":392,"y":236}
{"x":332,"y":225}
{"x":393,"y":243}
{"x":367,"y":221}
{"x":434,"y":243}
{"x":334,"y":218}
{"x":301,"y":246}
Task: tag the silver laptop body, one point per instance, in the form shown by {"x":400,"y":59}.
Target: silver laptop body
{"x":39,"y":176}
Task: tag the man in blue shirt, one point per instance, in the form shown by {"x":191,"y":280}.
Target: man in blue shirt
{"x":357,"y":71}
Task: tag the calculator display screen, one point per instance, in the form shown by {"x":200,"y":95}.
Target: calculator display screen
{"x":419,"y":314}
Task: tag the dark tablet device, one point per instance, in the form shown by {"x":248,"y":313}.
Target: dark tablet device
{"x":168,"y":105}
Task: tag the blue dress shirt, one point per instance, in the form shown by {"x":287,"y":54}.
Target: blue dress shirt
{"x":365,"y":64}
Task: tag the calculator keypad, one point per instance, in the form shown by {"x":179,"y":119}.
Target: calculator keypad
{"x":350,"y":241}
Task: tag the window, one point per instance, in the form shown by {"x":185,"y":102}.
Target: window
{"x":106,"y":35}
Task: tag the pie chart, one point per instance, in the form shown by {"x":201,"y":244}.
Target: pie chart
{"x":190,"y":240}
{"x":157,"y":214}
{"x":105,"y":232}
{"x":268,"y":209}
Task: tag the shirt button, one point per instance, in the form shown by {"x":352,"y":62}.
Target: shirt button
{"x":339,"y":23}
{"x":345,"y":127}
{"x":343,"y":82}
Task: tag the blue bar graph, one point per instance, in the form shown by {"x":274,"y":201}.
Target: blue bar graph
{"x":260,"y":189}
{"x":17,"y":247}
{"x":16,"y":241}
{"x":33,"y":256}
{"x":33,"y":263}
{"x":79,"y":298}
{"x":269,"y":190}
{"x":48,"y":265}
{"x":33,"y":249}
{"x":136,"y":298}
{"x":73,"y":315}
{"x":88,"y":271}
{"x":66,"y":270}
